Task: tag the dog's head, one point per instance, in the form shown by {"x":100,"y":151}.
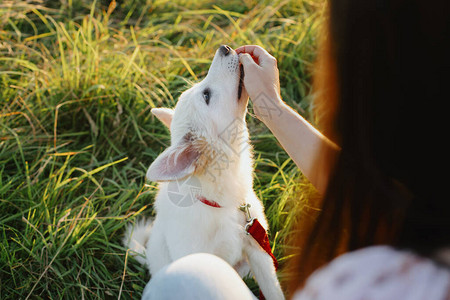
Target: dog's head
{"x":201,"y":117}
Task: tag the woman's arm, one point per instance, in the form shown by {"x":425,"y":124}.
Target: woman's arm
{"x":312,"y":152}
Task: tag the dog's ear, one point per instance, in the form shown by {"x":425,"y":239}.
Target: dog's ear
{"x":176,"y":162}
{"x":164,"y":115}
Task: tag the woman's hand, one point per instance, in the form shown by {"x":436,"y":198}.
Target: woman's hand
{"x":261,"y":78}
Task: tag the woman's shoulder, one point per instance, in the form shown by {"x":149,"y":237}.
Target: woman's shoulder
{"x":378,"y":272}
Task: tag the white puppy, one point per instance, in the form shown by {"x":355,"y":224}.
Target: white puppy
{"x":206,"y":175}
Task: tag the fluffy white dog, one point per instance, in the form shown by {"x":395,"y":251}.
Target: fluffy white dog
{"x":205,"y":176}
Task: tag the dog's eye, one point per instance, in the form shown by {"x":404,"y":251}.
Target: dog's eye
{"x":206,"y":95}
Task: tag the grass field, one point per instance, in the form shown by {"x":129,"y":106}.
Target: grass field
{"x":77,"y":81}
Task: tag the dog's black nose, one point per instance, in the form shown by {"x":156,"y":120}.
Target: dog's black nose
{"x":225,"y":50}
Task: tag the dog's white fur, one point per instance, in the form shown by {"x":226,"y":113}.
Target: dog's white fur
{"x":209,"y":142}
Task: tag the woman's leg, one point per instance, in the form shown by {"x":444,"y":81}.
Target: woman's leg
{"x":197,"y":276}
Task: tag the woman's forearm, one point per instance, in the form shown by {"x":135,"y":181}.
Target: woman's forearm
{"x":312,"y":152}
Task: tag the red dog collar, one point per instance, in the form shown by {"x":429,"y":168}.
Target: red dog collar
{"x":208,"y":202}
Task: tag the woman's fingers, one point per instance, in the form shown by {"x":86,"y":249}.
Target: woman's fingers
{"x":258,"y":53}
{"x":247,"y":61}
{"x":250,"y":49}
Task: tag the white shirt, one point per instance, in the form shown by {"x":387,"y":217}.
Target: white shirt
{"x":378,"y":273}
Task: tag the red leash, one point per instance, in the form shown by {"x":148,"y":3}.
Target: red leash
{"x":260,"y":235}
{"x":255,"y":229}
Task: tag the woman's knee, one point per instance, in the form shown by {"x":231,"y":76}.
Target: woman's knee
{"x":197,"y":276}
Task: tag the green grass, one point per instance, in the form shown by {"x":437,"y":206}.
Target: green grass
{"x":77,"y":82}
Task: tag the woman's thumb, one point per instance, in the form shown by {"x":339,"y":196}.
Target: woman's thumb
{"x":246,"y":60}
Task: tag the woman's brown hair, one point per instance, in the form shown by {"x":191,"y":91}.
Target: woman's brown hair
{"x":384,"y":67}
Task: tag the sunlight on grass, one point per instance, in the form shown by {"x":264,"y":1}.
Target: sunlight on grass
{"x":78,"y":80}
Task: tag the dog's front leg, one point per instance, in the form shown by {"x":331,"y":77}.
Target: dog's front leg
{"x":263,"y":269}
{"x":157,"y":251}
